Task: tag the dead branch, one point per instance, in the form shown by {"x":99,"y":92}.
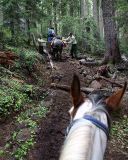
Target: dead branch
{"x":34,"y":41}
{"x":67,"y":88}
{"x":89,"y":63}
{"x":5,"y":70}
{"x":50,"y":58}
{"x":109,"y":80}
{"x":62,"y":87}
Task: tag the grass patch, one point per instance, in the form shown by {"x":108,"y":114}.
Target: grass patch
{"x":119,"y":133}
{"x":27,"y":57}
{"x":24,"y":136}
{"x":12,"y":99}
{"x":16,"y":96}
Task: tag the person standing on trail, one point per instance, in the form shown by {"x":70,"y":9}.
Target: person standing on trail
{"x":71,"y":39}
{"x":40,"y":45}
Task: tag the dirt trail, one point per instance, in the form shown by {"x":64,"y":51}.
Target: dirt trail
{"x":51,"y":136}
{"x":53,"y":127}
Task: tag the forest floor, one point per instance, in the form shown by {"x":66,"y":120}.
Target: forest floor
{"x":51,"y":133}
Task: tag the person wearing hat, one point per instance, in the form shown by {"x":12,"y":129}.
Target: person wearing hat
{"x":72,"y":40}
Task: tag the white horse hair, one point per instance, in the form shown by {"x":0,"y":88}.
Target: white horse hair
{"x":85,"y":141}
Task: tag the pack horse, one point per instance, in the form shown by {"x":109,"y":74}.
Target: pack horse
{"x":89,"y":128}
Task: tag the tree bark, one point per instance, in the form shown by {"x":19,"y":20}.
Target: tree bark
{"x":28,"y":31}
{"x":112,"y":53}
{"x":84,"y":8}
{"x":101,"y":25}
{"x":71,"y":10}
{"x":96,"y":11}
{"x":55,"y":21}
{"x":12,"y":28}
{"x":97,"y":15}
{"x":55,"y":16}
{"x":1,"y":15}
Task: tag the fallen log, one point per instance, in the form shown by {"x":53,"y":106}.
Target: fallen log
{"x":124,"y":68}
{"x":49,"y":57}
{"x":89,"y":63}
{"x":109,"y":80}
{"x":83,"y":89}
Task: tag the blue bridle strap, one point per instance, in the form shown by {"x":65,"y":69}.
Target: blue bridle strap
{"x":98,"y":123}
{"x":93,"y":120}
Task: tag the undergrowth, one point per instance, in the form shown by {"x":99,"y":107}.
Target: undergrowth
{"x":12,"y":99}
{"x":120,"y":133}
{"x":23,"y":99}
{"x":27,"y":57}
{"x":23,"y":138}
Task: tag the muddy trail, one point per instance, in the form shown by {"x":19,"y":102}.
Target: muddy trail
{"x":53,"y":127}
{"x":52,"y":133}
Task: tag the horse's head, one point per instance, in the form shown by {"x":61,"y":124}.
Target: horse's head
{"x":91,"y":101}
{"x":89,"y":128}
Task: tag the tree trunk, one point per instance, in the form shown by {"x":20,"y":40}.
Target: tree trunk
{"x":12,"y":28}
{"x":28,"y":31}
{"x":55,"y":20}
{"x":28,"y":22}
{"x":1,"y":15}
{"x":63,"y":12}
{"x":55,"y":16}
{"x":84,"y":8}
{"x":71,"y":9}
{"x":101,"y":25}
{"x":112,"y":53}
{"x":98,"y":17}
{"x":96,"y":11}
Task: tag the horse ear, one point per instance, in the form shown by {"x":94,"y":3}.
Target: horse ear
{"x":75,"y":91}
{"x":114,"y":100}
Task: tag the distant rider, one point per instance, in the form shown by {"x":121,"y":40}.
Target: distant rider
{"x":51,"y":34}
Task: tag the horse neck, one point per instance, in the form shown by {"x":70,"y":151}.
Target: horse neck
{"x":86,"y":142}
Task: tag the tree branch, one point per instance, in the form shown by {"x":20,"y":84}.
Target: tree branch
{"x":109,"y":80}
{"x":67,"y":88}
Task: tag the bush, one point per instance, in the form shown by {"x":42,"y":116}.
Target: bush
{"x":28,"y":58}
{"x":11,"y":98}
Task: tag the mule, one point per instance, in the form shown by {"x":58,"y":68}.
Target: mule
{"x":89,"y":128}
{"x":57,"y":48}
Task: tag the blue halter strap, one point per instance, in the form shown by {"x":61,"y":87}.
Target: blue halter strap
{"x":97,"y":101}
{"x":93,"y":120}
{"x":98,"y":123}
